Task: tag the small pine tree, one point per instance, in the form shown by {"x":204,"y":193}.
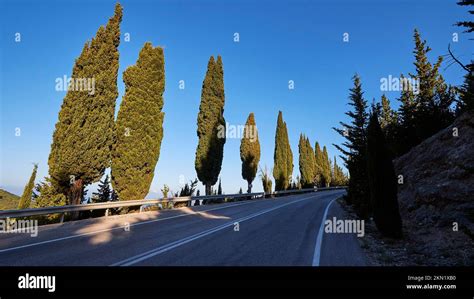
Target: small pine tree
{"x":382,"y":182}
{"x":25,"y":199}
{"x":104,"y":192}
{"x":266,"y":180}
{"x":165,"y":191}
{"x":355,"y":152}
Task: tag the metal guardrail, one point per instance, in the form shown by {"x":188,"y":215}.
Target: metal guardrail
{"x":131,"y":203}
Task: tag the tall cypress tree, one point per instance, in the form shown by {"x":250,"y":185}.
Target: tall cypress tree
{"x":306,"y":162}
{"x":25,"y":199}
{"x":139,"y":125}
{"x":219,"y":188}
{"x":250,"y":151}
{"x":83,"y":136}
{"x":282,"y":157}
{"x":211,"y":125}
{"x":354,"y":151}
{"x":318,"y":162}
{"x":382,"y":182}
{"x":326,"y":167}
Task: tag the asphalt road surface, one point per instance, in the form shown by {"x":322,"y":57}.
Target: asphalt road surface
{"x":264,"y":232}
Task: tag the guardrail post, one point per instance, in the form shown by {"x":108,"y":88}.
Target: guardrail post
{"x":62,"y":218}
{"x":106,"y":212}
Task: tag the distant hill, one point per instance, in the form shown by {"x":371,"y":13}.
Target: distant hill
{"x":8,"y":201}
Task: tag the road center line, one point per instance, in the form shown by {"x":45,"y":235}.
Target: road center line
{"x":118,"y":227}
{"x":164,"y":248}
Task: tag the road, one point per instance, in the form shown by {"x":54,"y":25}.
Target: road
{"x":265,"y":232}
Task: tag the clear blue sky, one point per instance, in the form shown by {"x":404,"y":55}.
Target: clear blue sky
{"x":279,"y":41}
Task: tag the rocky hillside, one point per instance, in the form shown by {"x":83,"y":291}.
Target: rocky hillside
{"x":437,"y":196}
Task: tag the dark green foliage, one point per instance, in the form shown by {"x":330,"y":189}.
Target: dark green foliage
{"x":469,"y":25}
{"x":240,"y":190}
{"x":250,"y":151}
{"x":283,"y":156}
{"x":429,"y":110}
{"x":306,"y":163}
{"x":211,"y":125}
{"x":189,"y":189}
{"x":466,"y":93}
{"x":104,"y":192}
{"x":219,"y":189}
{"x":25,"y":199}
{"x":83,"y":136}
{"x":318,"y":168}
{"x":139,"y":126}
{"x":354,"y":151}
{"x":382,"y":182}
{"x":326,"y":166}
{"x":338,"y":176}
{"x":46,"y":195}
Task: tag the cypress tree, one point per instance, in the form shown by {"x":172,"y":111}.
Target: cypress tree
{"x":306,"y":163}
{"x":338,"y":178}
{"x":355,"y":151}
{"x":139,"y":125}
{"x":219,"y":188}
{"x":211,"y":125}
{"x":25,"y":199}
{"x":250,"y":151}
{"x":326,"y":167}
{"x":283,"y":156}
{"x":83,"y":136}
{"x":318,"y":162}
{"x":382,"y":182}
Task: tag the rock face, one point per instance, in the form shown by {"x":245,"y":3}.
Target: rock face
{"x":438,"y":192}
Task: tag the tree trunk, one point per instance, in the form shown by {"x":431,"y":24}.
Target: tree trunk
{"x":75,"y":196}
{"x":208,"y":189}
{"x":249,"y":189}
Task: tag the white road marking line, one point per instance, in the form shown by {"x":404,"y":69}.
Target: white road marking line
{"x":319,"y":239}
{"x":164,"y":248}
{"x":114,"y":228}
